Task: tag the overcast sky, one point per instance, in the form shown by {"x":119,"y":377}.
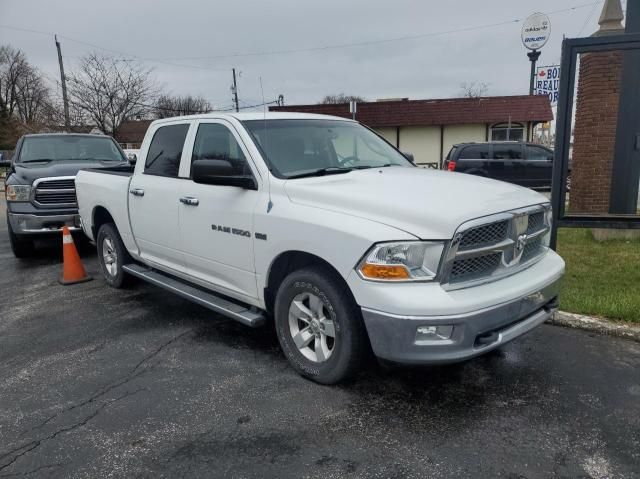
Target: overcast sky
{"x":177,"y":31}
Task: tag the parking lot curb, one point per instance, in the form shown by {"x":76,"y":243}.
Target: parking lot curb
{"x":596,"y":325}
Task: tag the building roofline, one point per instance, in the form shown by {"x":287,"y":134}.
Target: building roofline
{"x":410,"y":101}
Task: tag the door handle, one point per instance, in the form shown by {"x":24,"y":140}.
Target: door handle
{"x":136,"y":192}
{"x":188,"y":200}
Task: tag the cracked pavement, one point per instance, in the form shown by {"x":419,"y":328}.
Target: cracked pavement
{"x":97,"y":382}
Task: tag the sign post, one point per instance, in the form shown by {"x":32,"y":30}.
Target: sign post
{"x":535,"y":34}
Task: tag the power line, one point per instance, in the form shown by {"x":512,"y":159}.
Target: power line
{"x":377,"y":42}
{"x":192,"y":112}
{"x":586,"y":22}
{"x":110,"y":50}
{"x":168,"y":60}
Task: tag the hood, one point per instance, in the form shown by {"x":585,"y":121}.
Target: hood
{"x":429,"y":204}
{"x":26,"y":173}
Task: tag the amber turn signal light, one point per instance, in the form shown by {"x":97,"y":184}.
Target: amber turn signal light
{"x":379,"y":271}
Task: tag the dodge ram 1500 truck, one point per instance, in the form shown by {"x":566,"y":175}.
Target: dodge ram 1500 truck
{"x":40,"y":189}
{"x":320,"y":224}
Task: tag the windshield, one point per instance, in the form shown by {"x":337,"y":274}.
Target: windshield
{"x":69,"y":147}
{"x":295,"y":147}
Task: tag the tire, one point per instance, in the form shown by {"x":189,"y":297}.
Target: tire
{"x":110,"y":247}
{"x":323,"y":295}
{"x":21,"y":246}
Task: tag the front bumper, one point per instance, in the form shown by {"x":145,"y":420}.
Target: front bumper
{"x":28,"y":224}
{"x":393,"y":337}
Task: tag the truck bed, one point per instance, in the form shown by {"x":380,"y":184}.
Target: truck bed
{"x":108,"y":189}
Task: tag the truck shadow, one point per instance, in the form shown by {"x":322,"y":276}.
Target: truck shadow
{"x":467,"y":391}
{"x":499,"y":378}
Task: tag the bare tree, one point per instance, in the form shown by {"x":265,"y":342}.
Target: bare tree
{"x":25,"y":99}
{"x":33,"y":98}
{"x":109,"y":90}
{"x":341,"y":98}
{"x":13,"y":66}
{"x":474,"y":89}
{"x":167,"y":105}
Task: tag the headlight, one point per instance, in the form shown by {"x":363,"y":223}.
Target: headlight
{"x":18,"y":192}
{"x":405,"y":261}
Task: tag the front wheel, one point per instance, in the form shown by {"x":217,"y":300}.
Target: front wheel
{"x":112,"y":256}
{"x":319,"y":326}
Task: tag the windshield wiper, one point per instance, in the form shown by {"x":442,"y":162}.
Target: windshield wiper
{"x":99,"y":159}
{"x":331,"y":170}
{"x":367,"y":167}
{"x":40,"y":160}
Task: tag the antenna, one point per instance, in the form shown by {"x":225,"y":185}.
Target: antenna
{"x":264,"y":116}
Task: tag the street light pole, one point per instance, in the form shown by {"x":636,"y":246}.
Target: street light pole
{"x":533,"y":57}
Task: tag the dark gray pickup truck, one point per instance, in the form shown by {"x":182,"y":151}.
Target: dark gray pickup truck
{"x":40,"y":183}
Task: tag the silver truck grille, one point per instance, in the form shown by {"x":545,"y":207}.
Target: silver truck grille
{"x":485,"y":234}
{"x":490,"y":248}
{"x":55,"y":192}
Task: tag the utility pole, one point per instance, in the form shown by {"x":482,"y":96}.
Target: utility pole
{"x":63,"y":82}
{"x":235,"y":90}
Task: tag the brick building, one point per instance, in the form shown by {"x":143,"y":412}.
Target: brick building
{"x":594,"y":134}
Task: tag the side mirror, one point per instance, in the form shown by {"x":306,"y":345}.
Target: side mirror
{"x":409,"y":156}
{"x":5,"y":163}
{"x":132,"y":157}
{"x":220,"y":172}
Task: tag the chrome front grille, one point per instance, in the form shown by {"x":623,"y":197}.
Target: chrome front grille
{"x":55,"y":192}
{"x":536,"y":222}
{"x":475,"y":267}
{"x":485,"y":234}
{"x":490,"y":248}
{"x":531,"y":250}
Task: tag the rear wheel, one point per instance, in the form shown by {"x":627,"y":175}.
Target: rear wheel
{"x":319,"y":326}
{"x":112,"y":256}
{"x":21,"y":246}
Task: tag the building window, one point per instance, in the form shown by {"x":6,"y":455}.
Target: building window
{"x":507,"y":132}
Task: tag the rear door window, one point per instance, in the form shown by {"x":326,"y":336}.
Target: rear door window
{"x":475,"y":152}
{"x":165,"y":151}
{"x":507,"y":152}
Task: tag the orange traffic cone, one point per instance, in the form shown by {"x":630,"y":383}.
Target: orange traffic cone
{"x":72,"y":271}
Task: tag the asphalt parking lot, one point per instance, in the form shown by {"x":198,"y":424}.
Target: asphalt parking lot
{"x":96,"y":382}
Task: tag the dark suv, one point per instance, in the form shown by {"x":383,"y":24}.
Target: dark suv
{"x":40,"y":184}
{"x":525,"y":164}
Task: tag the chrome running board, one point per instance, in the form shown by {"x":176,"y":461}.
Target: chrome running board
{"x":247,"y":315}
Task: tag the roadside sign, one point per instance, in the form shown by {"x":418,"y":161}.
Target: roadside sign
{"x":548,"y":82}
{"x":536,"y":30}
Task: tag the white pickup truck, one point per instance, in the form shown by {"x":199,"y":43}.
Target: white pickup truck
{"x":323,"y":226}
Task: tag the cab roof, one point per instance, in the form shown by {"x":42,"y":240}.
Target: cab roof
{"x":247,"y":116}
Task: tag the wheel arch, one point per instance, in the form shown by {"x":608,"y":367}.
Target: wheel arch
{"x":289,"y":261}
{"x":99,"y":217}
